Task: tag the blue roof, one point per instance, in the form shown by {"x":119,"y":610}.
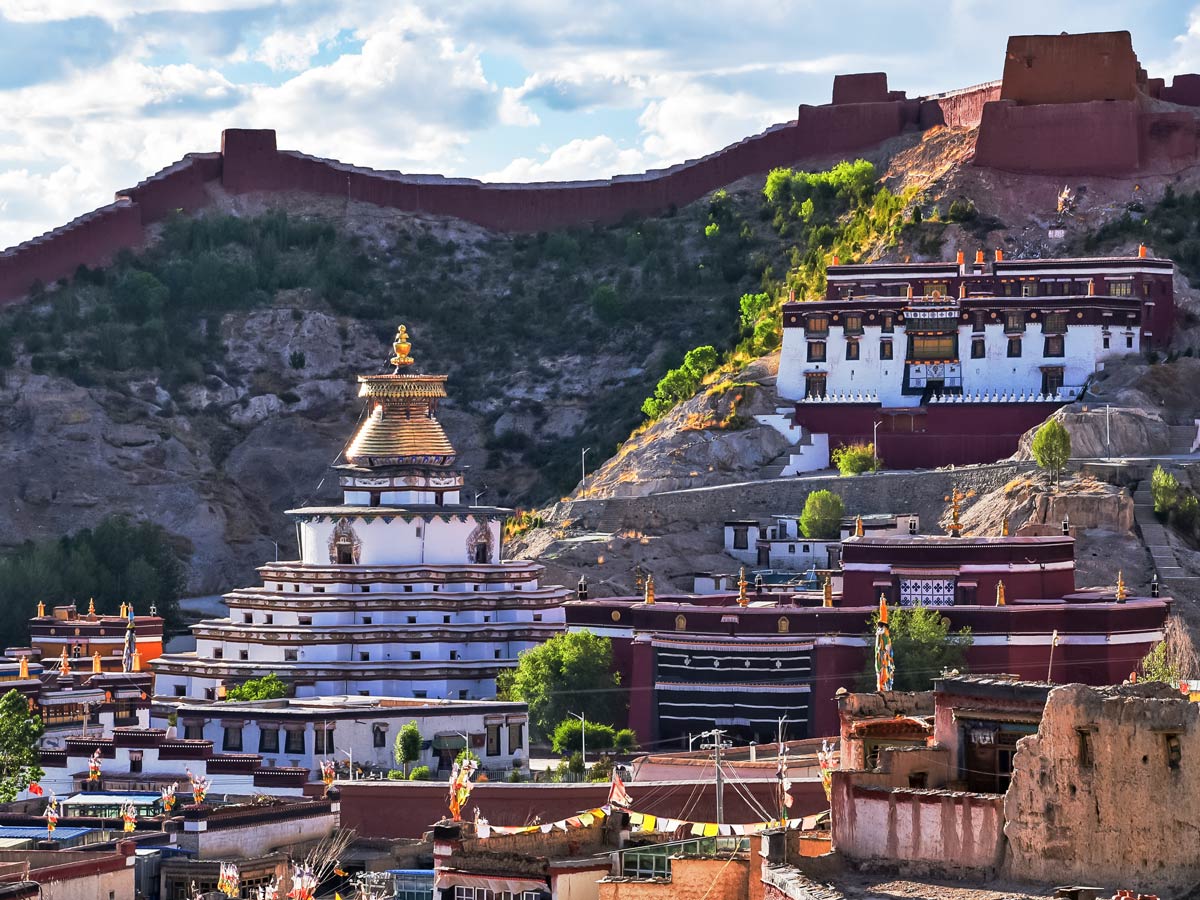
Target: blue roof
{"x":38,"y":832}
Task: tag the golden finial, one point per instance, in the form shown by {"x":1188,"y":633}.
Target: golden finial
{"x":137,"y":660}
{"x":92,"y":607}
{"x":743,"y":600}
{"x":649,"y":588}
{"x":999,"y":593}
{"x":96,"y":663}
{"x":400,"y":347}
{"x":827,"y":592}
{"x":1122,"y":593}
{"x":1004,"y":528}
{"x":858,"y":526}
{"x":41,"y":609}
{"x":64,"y":664}
{"x":124,"y":611}
{"x":24,"y":670}
{"x":955,"y":499}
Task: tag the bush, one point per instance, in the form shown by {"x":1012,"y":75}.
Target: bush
{"x":822,"y":515}
{"x":681,"y":383}
{"x":396,"y":775}
{"x":269,"y":687}
{"x":1052,"y":448}
{"x":297,"y":359}
{"x":421,"y":773}
{"x":569,"y":737}
{"x":1164,"y":489}
{"x":625,"y":741}
{"x":854,"y":459}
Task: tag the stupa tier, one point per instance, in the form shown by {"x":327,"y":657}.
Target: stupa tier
{"x":399,"y":589}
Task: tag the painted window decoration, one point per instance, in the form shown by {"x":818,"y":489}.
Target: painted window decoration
{"x":927,"y":591}
{"x":344,"y":545}
{"x":479,"y":544}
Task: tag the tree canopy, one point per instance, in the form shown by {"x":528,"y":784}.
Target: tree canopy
{"x":20,"y":731}
{"x":571,"y":672}
{"x":407,"y":748}
{"x":922,"y":645}
{"x":1052,"y":448}
{"x":269,"y":687}
{"x":822,"y":515}
{"x":1157,"y":665}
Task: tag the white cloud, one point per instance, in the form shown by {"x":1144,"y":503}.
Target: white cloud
{"x":114,"y":10}
{"x":577,"y":160}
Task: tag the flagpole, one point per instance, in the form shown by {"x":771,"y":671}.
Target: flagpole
{"x":1053,"y":644}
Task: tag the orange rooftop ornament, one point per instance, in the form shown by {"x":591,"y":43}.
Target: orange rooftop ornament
{"x":64,"y":664}
{"x":858,"y":527}
{"x":41,"y":609}
{"x":827,"y":592}
{"x":742,"y":599}
{"x":999,"y":593}
{"x":955,"y":500}
{"x":1122,"y":593}
{"x":650,"y":589}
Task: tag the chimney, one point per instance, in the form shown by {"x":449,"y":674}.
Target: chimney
{"x":999,"y":255}
{"x":1141,"y":251}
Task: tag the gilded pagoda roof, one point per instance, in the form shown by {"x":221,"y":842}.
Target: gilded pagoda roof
{"x":402,"y":387}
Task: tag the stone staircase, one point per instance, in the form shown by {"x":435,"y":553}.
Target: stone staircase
{"x":1154,"y":535}
{"x":1181,"y":437}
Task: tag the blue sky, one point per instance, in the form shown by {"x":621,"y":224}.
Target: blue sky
{"x":97,"y":94}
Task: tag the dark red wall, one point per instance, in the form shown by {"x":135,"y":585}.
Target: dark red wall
{"x":1097,"y":138}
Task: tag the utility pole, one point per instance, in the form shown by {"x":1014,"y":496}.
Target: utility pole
{"x":717,"y":746}
{"x":583,"y":470}
{"x":582,"y":738}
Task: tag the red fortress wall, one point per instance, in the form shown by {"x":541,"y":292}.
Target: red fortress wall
{"x":864,"y":113}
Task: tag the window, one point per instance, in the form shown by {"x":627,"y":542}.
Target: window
{"x":1014,"y":320}
{"x":1107,"y":342}
{"x":481,"y":552}
{"x":1174,"y":751}
{"x":364,"y":588}
{"x":814,"y":384}
{"x":411,"y":620}
{"x":233,"y":738}
{"x":1014,"y":347}
{"x":180,"y":690}
{"x":269,"y":619}
{"x":318,"y":590}
{"x":740,"y":541}
{"x":816,"y":351}
{"x":364,"y":656}
{"x":247,"y":618}
{"x":293,"y":741}
{"x":367,"y":620}
{"x":851,"y":349}
{"x":853,"y":323}
{"x":324,"y":740}
{"x":1053,"y":345}
{"x":1120,"y":288}
{"x":888,"y":324}
{"x":1029,"y":289}
{"x":496,"y":654}
{"x":1129,"y":342}
{"x":454,"y":654}
{"x":516,"y":735}
{"x":885,"y":349}
{"x":817,"y":325}
{"x":1085,"y":748}
{"x":1055,"y":323}
{"x":305,"y":620}
{"x":935,"y":287}
{"x":218,"y":652}
{"x":345,"y":553}
{"x":193,"y":731}
{"x":268,"y":740}
{"x":290,"y":655}
{"x":493,"y":740}
{"x":414,"y":654}
{"x":243,"y":655}
{"x":408,"y":588}
{"x":379,"y":736}
{"x":462,"y":695}
{"x":537,"y":617}
{"x":978,"y":319}
{"x":932,"y":346}
{"x":978,"y":348}
{"x":420,"y":695}
{"x":445,"y":620}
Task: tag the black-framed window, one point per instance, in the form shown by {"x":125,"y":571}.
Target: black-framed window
{"x":814,"y":384}
{"x":493,"y":741}
{"x":740,"y":538}
{"x":379,"y":736}
{"x":233,"y":738}
{"x":324,"y":740}
{"x":888,"y":323}
{"x":817,"y":325}
{"x":852,"y":350}
{"x":978,"y":319}
{"x":816,"y":351}
{"x":1055,"y":345}
{"x":978,"y":348}
{"x":1014,"y":347}
{"x":1014,"y":320}
{"x":268,"y":740}
{"x":1052,"y":380}
{"x":1055,"y":323}
{"x":1129,"y":342}
{"x":885,"y":349}
{"x":193,"y":731}
{"x":853,"y":323}
{"x":1106,"y":340}
{"x":932,"y":346}
{"x":293,"y":741}
{"x":516,"y":737}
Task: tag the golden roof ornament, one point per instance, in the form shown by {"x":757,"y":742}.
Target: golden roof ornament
{"x":24,"y":668}
{"x":858,"y":526}
{"x":41,"y":609}
{"x":650,"y":589}
{"x":827,"y":592}
{"x":999,"y":593}
{"x":1004,"y":528}
{"x":401,"y":347}
{"x":64,"y":664}
{"x":96,"y":663}
{"x":1122,"y":593}
{"x":124,"y":611}
{"x":92,"y":607}
{"x":955,"y":499}
{"x":137,"y":661}
{"x":742,"y":599}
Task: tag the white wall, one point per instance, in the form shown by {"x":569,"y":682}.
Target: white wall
{"x":439,"y":541}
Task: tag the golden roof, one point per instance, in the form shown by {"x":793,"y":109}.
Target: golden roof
{"x":399,"y":436}
{"x":402,"y":387}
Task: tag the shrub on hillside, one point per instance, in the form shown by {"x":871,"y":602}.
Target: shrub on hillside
{"x":822,"y":515}
{"x":854,"y":459}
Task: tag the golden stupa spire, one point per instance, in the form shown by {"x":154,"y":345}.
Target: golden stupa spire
{"x":401,"y":347}
{"x":999,"y":593}
{"x":96,"y":663}
{"x":41,"y":609}
{"x":64,"y":664}
{"x":1122,"y":593}
{"x":827,"y":592}
{"x":24,"y":670}
{"x":649,"y":588}
{"x":858,"y":526}
{"x":92,"y":606}
{"x":743,"y":600}
{"x":124,"y":610}
{"x":137,"y":661}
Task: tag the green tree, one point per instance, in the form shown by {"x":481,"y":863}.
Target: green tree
{"x":854,"y":459}
{"x":1158,"y":666}
{"x":922,"y":645}
{"x":1052,"y":448}
{"x":568,"y":673}
{"x":570,"y":736}
{"x":625,"y":741}
{"x":822,"y":515}
{"x":269,"y":687}
{"x":1164,"y":489}
{"x":407,"y":748}
{"x":20,"y":731}
{"x":420,"y":773}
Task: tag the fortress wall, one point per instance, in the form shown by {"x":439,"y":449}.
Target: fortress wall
{"x":1070,"y":68}
{"x":1168,"y":139}
{"x":1184,"y":90}
{"x":1095,"y":138}
{"x":179,"y":186}
{"x":961,"y":109}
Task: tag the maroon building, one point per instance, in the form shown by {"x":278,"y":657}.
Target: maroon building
{"x":689,"y":661}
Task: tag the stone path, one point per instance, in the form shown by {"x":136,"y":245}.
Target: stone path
{"x":1154,"y":536}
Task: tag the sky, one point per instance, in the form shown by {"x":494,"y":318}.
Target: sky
{"x":96,"y":95}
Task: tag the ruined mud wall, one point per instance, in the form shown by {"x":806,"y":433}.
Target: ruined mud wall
{"x":1096,"y":797}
